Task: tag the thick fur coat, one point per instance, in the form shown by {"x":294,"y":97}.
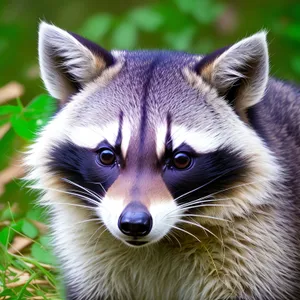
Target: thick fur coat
{"x":205,"y":148}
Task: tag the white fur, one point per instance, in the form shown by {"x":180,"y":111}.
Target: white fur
{"x":161,"y":132}
{"x":77,"y":59}
{"x":163,"y":215}
{"x":201,"y":141}
{"x":126,"y":135}
{"x":90,"y":136}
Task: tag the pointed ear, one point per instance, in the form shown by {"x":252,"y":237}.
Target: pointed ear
{"x":240,"y":72}
{"x":68,"y":61}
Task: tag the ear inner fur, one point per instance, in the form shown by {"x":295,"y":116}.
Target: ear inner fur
{"x":69,"y":61}
{"x":239,"y":72}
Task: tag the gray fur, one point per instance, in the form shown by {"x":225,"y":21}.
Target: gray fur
{"x":259,"y":254}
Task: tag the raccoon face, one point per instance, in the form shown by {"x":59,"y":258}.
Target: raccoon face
{"x":147,"y":140}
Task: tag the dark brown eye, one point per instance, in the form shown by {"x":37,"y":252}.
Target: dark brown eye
{"x":107,"y":157}
{"x":181,"y":160}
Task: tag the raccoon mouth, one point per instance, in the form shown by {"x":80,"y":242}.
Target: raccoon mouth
{"x":136,"y":243}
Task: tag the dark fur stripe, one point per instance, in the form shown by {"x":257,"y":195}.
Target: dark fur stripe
{"x":119,"y":136}
{"x":168,"y":141}
{"x":142,"y":147}
{"x":144,"y":105}
{"x":69,"y":161}
{"x":209,"y":173}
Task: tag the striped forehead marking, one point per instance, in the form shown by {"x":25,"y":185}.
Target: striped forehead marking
{"x":170,"y":136}
{"x":145,"y":152}
{"x":116,"y":133}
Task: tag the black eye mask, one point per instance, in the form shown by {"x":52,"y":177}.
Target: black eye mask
{"x":80,"y":166}
{"x":207,"y":174}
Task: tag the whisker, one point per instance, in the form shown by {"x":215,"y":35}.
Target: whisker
{"x":88,"y":220}
{"x":83,"y":188}
{"x":98,"y":239}
{"x":197,"y":205}
{"x":86,"y":244}
{"x":210,"y":205}
{"x":81,"y":192}
{"x":92,"y":201}
{"x":201,"y":227}
{"x":172,"y":235}
{"x":207,"y":183}
{"x":101,"y":185}
{"x":185,"y":205}
{"x":168,"y":238}
{"x":196,"y":201}
{"x":76,"y":205}
{"x":180,"y":229}
{"x":202,"y":216}
{"x":234,"y":187}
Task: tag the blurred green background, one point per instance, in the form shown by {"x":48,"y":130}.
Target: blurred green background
{"x":197,"y":26}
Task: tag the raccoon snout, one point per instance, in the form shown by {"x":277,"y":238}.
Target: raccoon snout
{"x":135,"y":220}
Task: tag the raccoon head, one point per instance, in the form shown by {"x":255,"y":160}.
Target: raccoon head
{"x":147,"y":140}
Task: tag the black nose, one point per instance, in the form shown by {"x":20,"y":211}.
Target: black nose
{"x":135,"y":220}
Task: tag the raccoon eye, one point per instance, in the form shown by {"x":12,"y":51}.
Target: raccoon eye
{"x":106,"y":157}
{"x":181,"y":160}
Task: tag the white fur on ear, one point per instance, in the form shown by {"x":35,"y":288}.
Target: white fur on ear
{"x":67,"y":62}
{"x":243,"y":67}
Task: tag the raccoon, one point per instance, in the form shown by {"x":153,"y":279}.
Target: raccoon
{"x":169,"y":175}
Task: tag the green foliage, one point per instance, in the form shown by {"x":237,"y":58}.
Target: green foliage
{"x":13,"y":267}
{"x":100,"y":21}
{"x":146,"y":19}
{"x":174,"y":21}
{"x":189,"y":25}
{"x":26,"y":121}
{"x":19,"y":272}
{"x":125,"y":35}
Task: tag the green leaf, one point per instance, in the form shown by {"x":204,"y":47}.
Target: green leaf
{"x":7,"y":143}
{"x":174,"y":20}
{"x":29,"y":230}
{"x":38,"y":112}
{"x":9,"y":109}
{"x":17,"y":227}
{"x":21,"y":294}
{"x":146,"y":19}
{"x":41,"y":106}
{"x":207,"y":11}
{"x":20,"y":104}
{"x":45,"y":241}
{"x":7,"y":214}
{"x":6,"y":236}
{"x":42,"y":254}
{"x":96,"y":26}
{"x":204,"y":11}
{"x":8,"y":292}
{"x":36,"y":213}
{"x":186,"y":6}
{"x":35,"y":115}
{"x":181,"y":40}
{"x":125,"y":36}
{"x":21,"y":127}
